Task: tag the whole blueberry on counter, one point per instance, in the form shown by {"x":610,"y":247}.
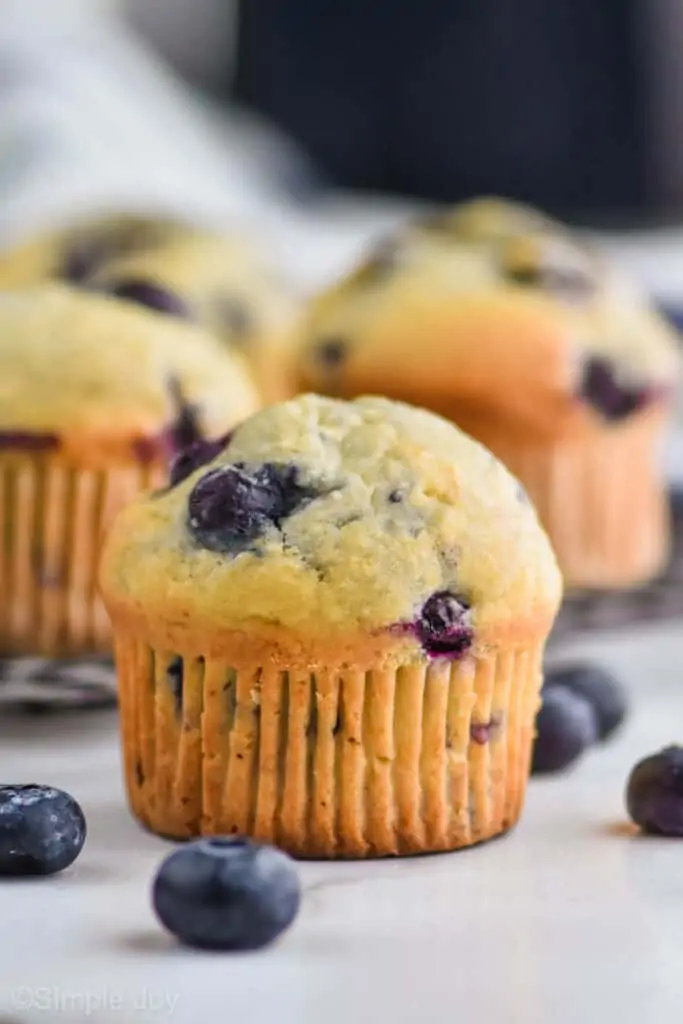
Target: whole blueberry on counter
{"x":603,"y":692}
{"x":226,"y":893}
{"x":42,"y":830}
{"x":566,"y":726}
{"x":654,"y":793}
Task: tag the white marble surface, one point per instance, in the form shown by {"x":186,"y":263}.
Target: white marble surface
{"x":566,"y":920}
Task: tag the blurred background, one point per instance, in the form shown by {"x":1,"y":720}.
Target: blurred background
{"x":320,"y":123}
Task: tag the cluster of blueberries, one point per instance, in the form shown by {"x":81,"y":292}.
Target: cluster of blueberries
{"x":229,"y":893}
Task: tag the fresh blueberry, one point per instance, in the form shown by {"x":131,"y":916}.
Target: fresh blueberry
{"x":42,"y":830}
{"x":444,"y":627}
{"x":198,"y":454}
{"x":601,"y":389}
{"x":332,"y":352}
{"x":654,"y":794}
{"x":602,"y":691}
{"x":231,"y":506}
{"x":226,"y":893}
{"x":150,"y":295}
{"x":566,"y":726}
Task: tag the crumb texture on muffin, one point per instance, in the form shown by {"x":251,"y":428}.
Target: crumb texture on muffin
{"x":334,"y":519}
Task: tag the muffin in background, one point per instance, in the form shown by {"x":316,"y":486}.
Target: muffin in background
{"x":217,"y":280}
{"x":95,"y":398}
{"x":329,"y":635}
{"x":498,"y":318}
{"x":221,"y":283}
{"x":73,"y":254}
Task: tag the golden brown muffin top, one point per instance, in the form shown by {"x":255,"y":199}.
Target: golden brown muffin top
{"x":103,"y":375}
{"x":492,"y":303}
{"x":334,"y":520}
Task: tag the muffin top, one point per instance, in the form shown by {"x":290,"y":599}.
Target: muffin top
{"x":97,"y":377}
{"x":218,"y":281}
{"x":495,"y":304}
{"x":331,"y":524}
{"x":73,"y":254}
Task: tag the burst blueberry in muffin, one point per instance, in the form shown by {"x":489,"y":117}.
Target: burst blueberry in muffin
{"x":329,"y":635}
{"x":500,"y":319}
{"x":95,"y":399}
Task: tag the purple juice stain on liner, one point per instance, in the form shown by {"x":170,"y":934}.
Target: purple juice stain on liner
{"x":29,"y":441}
{"x":483,"y":732}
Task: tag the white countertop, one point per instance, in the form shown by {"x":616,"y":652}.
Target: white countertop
{"x":566,"y":920}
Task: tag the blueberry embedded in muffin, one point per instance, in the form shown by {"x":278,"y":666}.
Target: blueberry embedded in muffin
{"x":231,"y":506}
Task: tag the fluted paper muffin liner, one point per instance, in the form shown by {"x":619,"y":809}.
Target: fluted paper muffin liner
{"x":52,"y":519}
{"x":602,"y":500}
{"x":330,"y":763}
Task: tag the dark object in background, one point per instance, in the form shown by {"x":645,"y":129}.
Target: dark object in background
{"x":537,"y":101}
{"x":654,"y":794}
{"x":566,"y":726}
{"x":603,"y":692}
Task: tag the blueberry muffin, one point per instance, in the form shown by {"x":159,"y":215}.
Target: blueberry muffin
{"x":329,"y":634}
{"x":172,"y":267}
{"x":501,"y":320}
{"x":73,"y":254}
{"x":222,"y":283}
{"x":95,"y":398}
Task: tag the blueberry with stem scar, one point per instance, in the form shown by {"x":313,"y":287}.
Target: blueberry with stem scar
{"x":226,"y":893}
{"x":42,"y":830}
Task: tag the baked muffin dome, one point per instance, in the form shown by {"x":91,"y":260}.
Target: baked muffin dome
{"x":313,"y":506}
{"x":330,"y":634}
{"x":96,"y":398}
{"x":505,"y":322}
{"x":111,"y":380}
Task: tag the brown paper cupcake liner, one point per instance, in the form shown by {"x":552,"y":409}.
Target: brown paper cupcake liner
{"x":52,"y":518}
{"x":331,"y":763}
{"x":603,"y":503}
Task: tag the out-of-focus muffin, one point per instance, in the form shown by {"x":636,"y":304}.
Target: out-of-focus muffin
{"x":96,"y":397}
{"x":502,"y":320}
{"x":218,"y":280}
